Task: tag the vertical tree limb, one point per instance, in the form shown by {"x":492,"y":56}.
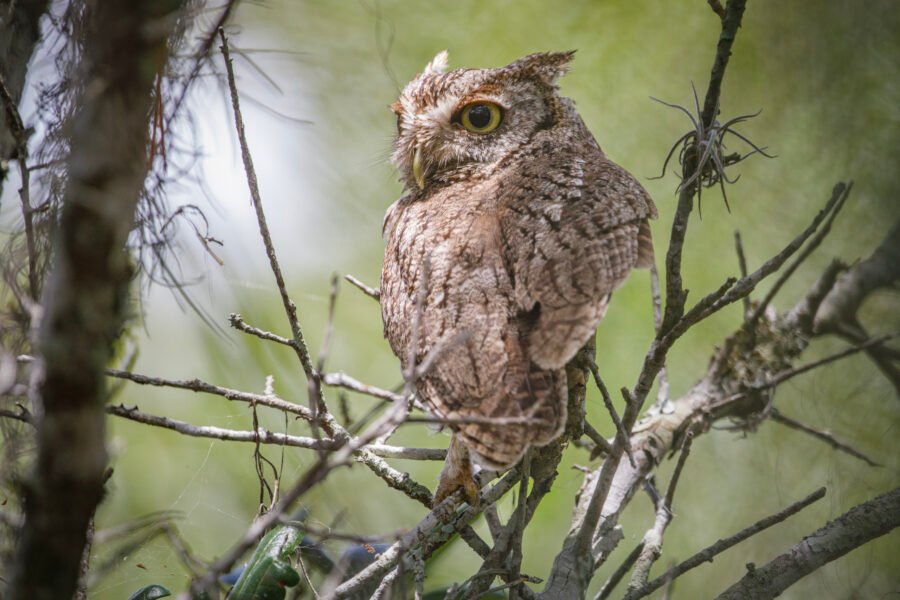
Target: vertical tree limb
{"x":85,"y":296}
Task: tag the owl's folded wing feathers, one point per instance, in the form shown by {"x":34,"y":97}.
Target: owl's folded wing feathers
{"x":573,"y":231}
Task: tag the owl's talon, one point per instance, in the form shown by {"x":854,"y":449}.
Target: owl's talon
{"x":457,"y":475}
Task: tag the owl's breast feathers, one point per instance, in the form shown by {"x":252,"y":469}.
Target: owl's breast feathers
{"x":517,"y":270}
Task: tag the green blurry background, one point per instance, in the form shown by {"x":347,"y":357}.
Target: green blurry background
{"x":825,"y":75}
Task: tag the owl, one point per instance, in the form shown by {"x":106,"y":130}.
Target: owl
{"x":513,"y":231}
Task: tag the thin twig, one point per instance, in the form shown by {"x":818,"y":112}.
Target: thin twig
{"x":23,"y":416}
{"x":197,"y":385}
{"x":602,"y":446}
{"x":742,"y":265}
{"x":345,"y":381}
{"x":710,"y":552}
{"x":238,"y":323}
{"x":519,"y":520}
{"x":610,"y":585}
{"x":728,"y":294}
{"x":622,"y":435}
{"x":849,"y":531}
{"x":811,"y":245}
{"x":367,"y":290}
{"x":329,"y":325}
{"x":821,"y":434}
{"x":261,"y":436}
{"x":290,"y":308}
{"x":662,"y":396}
{"x":437,"y":525}
{"x":790,"y":373}
{"x":783,"y":376}
{"x":717,"y":8}
{"x":676,"y":475}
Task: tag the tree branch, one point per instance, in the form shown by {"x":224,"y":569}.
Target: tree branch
{"x":825,"y":436}
{"x":854,"y":528}
{"x":290,"y":308}
{"x":710,"y":552}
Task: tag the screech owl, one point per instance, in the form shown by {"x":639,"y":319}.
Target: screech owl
{"x":513,"y":231}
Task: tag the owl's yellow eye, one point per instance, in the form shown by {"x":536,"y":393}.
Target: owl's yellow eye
{"x":481,"y":117}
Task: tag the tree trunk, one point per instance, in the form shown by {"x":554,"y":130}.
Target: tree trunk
{"x":85,"y":297}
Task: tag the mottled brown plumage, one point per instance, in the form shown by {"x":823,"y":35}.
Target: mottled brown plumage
{"x":519,"y":235}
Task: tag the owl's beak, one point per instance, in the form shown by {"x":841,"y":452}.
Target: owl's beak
{"x":419,"y":168}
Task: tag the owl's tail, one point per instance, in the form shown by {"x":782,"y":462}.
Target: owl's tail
{"x":534,"y":414}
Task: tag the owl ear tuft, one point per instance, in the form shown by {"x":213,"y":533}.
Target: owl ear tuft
{"x":437,"y":65}
{"x":548,"y":66}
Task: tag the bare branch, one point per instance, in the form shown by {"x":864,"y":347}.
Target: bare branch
{"x":854,"y":528}
{"x":729,"y":294}
{"x":662,"y":396}
{"x":621,"y":433}
{"x":651,"y":545}
{"x":290,"y":308}
{"x":675,"y":294}
{"x":238,"y":323}
{"x":262,"y":436}
{"x":343,"y":380}
{"x":602,"y":446}
{"x":197,"y":385}
{"x":676,"y":475}
{"x":742,"y":265}
{"x":406,"y":453}
{"x":791,"y":373}
{"x":823,"y":435}
{"x":881,"y":269}
{"x":329,"y":325}
{"x":435,"y":528}
{"x":717,"y":8}
{"x":614,"y":579}
{"x":368,"y":291}
{"x":813,"y":243}
{"x":710,"y":552}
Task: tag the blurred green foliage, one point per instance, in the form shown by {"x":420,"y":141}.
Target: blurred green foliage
{"x":827,"y":79}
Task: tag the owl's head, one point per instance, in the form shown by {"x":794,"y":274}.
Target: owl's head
{"x":451,"y":122}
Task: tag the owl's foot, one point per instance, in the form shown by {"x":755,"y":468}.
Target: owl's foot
{"x":456,"y":474}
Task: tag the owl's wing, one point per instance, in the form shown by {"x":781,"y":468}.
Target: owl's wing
{"x":573,"y":229}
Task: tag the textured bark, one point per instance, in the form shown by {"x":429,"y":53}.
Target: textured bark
{"x":854,"y":528}
{"x":84,"y":298}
